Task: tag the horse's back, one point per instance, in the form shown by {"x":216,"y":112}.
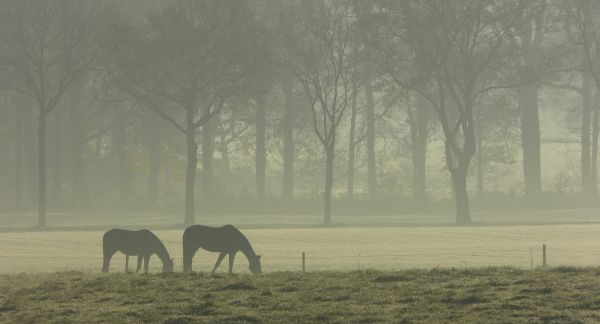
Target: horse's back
{"x":129,"y":242}
{"x":226,"y":238}
{"x":118,"y":233}
{"x":203,"y":230}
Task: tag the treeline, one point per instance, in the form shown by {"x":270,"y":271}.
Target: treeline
{"x":132,"y":105}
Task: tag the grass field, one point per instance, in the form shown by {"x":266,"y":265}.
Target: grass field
{"x":558,"y":295}
{"x":341,"y":248}
{"x":386,"y":269}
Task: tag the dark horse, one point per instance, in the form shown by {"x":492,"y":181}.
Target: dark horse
{"x":142,"y":243}
{"x":226,"y":239}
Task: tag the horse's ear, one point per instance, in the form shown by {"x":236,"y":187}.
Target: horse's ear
{"x":259,"y":255}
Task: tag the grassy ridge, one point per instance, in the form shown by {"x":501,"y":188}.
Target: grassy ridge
{"x":438,"y":295}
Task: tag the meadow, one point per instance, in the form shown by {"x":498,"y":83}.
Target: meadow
{"x":328,"y":249}
{"x":375,"y":269}
{"x":557,"y":295}
{"x":74,"y":242}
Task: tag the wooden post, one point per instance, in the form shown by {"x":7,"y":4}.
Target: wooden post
{"x":303,"y":262}
{"x":544,"y":255}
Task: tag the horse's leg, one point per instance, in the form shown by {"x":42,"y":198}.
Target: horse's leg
{"x":126,"y":263}
{"x":219,"y":259}
{"x":188,"y":254}
{"x":139,"y":263}
{"x":106,"y":262}
{"x":146,"y":261}
{"x":231,"y":257}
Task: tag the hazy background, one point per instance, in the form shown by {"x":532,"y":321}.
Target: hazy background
{"x":147,"y":113}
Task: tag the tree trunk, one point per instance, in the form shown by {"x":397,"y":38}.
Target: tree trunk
{"x":154,"y":157}
{"x":330,"y":156}
{"x":79,"y":196}
{"x":42,"y":125}
{"x":30,"y":154}
{"x":226,"y":164}
{"x":261,"y":152}
{"x":479,"y":156}
{"x":530,"y":121}
{"x":288,"y":141}
{"x":371,"y":164}
{"x":190,"y":176}
{"x":208,"y":149}
{"x":18,"y":188}
{"x":419,"y":134}
{"x":352,"y":143}
{"x":57,"y":153}
{"x":480,"y":177}
{"x":459,"y":182}
{"x":78,"y":188}
{"x":5,"y":155}
{"x":458,"y":160}
{"x":530,"y":139}
{"x":120,"y":142}
{"x":586,"y":114}
{"x":595,"y":130}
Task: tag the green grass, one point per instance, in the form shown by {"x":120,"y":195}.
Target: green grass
{"x":437,"y":295}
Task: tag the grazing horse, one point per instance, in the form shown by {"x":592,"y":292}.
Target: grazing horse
{"x":226,"y":239}
{"x":142,"y":243}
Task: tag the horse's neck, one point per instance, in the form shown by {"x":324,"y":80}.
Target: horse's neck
{"x":247,"y":249}
{"x":162,"y":253}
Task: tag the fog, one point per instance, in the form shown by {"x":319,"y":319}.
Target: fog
{"x":283,"y":113}
{"x":389,"y":161}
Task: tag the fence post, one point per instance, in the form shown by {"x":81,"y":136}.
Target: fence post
{"x":544,"y":255}
{"x":303,"y":262}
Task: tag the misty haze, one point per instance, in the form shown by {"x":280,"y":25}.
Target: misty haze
{"x":285,"y":161}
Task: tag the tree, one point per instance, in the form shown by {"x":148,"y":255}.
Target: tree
{"x":529,"y":42}
{"x":194,"y":56}
{"x":261,"y":149}
{"x":46,"y":45}
{"x":496,"y":132}
{"x":418,"y":118}
{"x":353,"y":141}
{"x":582,"y":28}
{"x":232,"y":128}
{"x":458,"y":49}
{"x":370,"y":138}
{"x":318,"y":51}
{"x":153,"y":125}
{"x":287,"y":128}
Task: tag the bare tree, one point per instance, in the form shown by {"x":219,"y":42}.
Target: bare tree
{"x":195,"y":55}
{"x":353,"y":141}
{"x":46,"y":45}
{"x":458,"y":50}
{"x":261,"y":150}
{"x":419,"y":118}
{"x":583,"y":28}
{"x":287,"y":128}
{"x":318,"y":50}
{"x":529,"y":43}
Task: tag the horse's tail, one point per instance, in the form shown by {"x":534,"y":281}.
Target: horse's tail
{"x":188,"y":252}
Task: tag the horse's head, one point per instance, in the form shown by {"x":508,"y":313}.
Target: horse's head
{"x":255,"y":266}
{"x":168,"y":266}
